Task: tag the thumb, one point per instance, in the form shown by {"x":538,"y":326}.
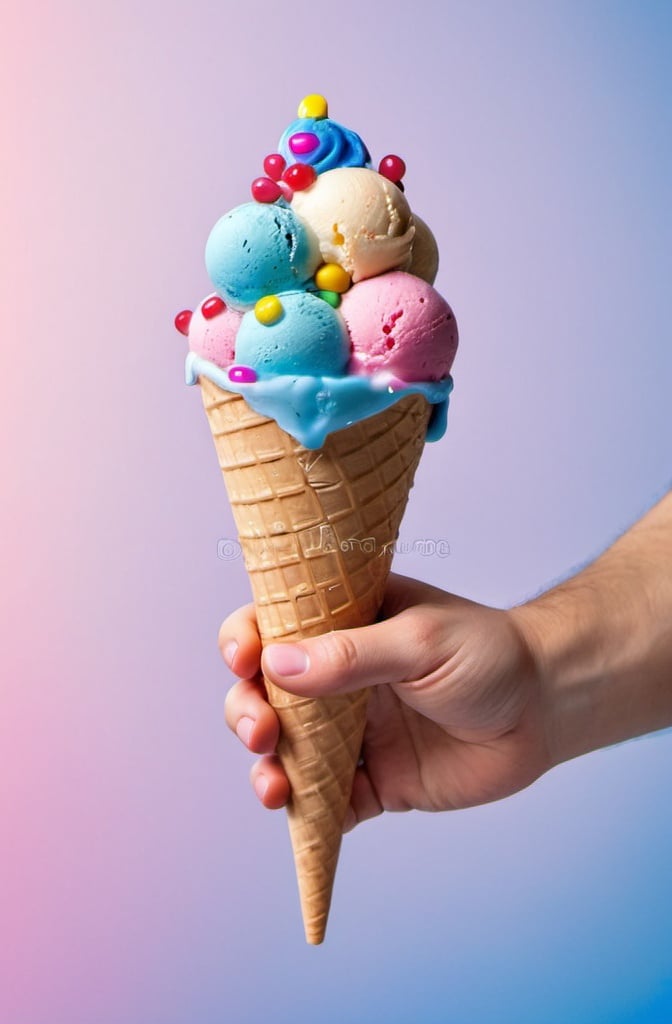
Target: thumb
{"x":393,"y":651}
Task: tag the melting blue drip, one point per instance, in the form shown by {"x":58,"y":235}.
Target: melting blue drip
{"x":309,"y":408}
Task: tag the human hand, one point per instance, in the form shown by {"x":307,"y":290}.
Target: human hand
{"x":456,"y":714}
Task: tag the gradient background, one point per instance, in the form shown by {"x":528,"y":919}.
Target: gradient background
{"x":140,"y":881}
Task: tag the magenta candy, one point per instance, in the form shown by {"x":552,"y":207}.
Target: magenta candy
{"x":303,"y":142}
{"x":265,"y":191}
{"x":242,"y":375}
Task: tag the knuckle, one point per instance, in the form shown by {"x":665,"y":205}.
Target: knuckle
{"x":423,"y":631}
{"x":340,"y":654}
{"x":237,"y":623}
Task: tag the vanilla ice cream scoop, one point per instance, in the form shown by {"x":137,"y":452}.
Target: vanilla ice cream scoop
{"x":425,"y":258}
{"x":362,"y":221}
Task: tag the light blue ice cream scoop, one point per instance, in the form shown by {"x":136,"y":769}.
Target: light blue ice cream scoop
{"x":308,"y":338}
{"x":257,"y":249}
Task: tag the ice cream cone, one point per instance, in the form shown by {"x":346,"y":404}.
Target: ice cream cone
{"x":317,"y":531}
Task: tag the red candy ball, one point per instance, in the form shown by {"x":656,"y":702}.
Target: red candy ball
{"x":392,"y":167}
{"x":265,"y":191}
{"x":274,"y":165}
{"x":182,"y":321}
{"x":213,"y":307}
{"x":300,"y":176}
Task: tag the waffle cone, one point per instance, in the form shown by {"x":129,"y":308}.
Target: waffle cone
{"x":317,"y":530}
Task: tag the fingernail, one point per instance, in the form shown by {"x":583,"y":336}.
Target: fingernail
{"x":350,"y":821}
{"x":230,"y":652}
{"x":244,"y":729}
{"x":286,"y":660}
{"x":260,"y":786}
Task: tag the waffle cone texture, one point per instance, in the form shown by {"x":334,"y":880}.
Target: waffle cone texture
{"x":317,"y":531}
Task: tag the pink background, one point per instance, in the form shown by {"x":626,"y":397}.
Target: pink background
{"x":139,"y":879}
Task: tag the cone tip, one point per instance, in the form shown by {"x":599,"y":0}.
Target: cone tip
{"x":315,"y":936}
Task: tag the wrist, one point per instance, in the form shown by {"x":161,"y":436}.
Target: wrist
{"x":559,"y":640}
{"x":602,"y":644}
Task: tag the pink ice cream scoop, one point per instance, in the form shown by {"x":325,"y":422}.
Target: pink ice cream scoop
{"x":211,"y":330}
{"x":398,"y":322}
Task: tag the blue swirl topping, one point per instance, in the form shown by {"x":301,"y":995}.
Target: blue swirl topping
{"x":332,"y":145}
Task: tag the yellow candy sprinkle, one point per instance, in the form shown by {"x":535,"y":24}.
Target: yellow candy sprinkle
{"x":332,"y":278}
{"x":313,"y":106}
{"x":268,"y":310}
{"x":337,"y":237}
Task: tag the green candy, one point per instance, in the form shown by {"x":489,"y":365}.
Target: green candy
{"x":333,"y":298}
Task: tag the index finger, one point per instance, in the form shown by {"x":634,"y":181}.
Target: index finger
{"x":239,"y":642}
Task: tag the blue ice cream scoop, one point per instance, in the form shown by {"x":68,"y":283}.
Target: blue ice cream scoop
{"x":304,"y":335}
{"x":257,"y":249}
